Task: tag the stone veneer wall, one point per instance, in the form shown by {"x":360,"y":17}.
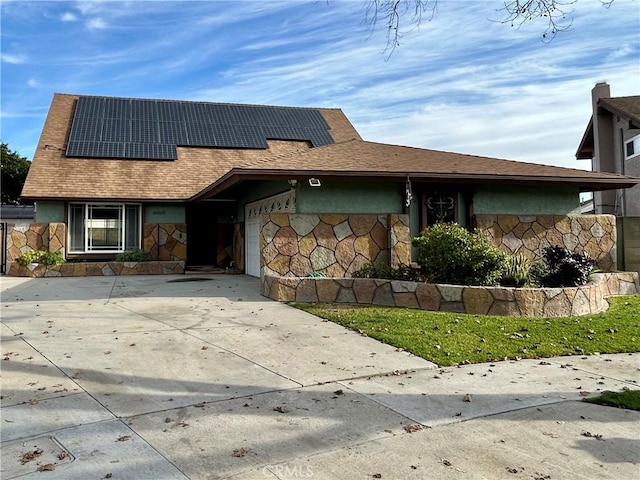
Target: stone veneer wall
{"x":529,"y":234}
{"x":35,"y":236}
{"x":399,"y":240}
{"x":83,"y":269}
{"x":332,"y":244}
{"x":525,"y":302}
{"x":165,"y":241}
{"x":238,"y":246}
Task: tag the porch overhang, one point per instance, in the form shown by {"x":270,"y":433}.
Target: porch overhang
{"x":583,"y":183}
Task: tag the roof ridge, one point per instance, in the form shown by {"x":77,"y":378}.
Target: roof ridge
{"x":208,"y":102}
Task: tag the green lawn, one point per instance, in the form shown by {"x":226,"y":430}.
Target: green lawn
{"x":629,"y":399}
{"x":454,"y":338}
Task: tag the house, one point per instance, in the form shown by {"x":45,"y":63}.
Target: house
{"x":611,"y":142}
{"x":296,"y":190}
{"x":17,"y":214}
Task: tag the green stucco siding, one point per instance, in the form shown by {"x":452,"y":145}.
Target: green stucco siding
{"x":526,"y":200}
{"x":164,"y":213}
{"x":257,"y":190}
{"x":349,"y":197}
{"x":49,"y":212}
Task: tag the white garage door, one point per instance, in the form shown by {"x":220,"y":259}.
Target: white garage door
{"x":252,"y":233}
{"x":282,"y":203}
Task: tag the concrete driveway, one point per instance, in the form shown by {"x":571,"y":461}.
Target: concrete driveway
{"x":200,"y":377}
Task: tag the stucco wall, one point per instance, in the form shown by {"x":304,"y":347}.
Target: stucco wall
{"x":47,"y":212}
{"x":257,"y":190}
{"x":349,"y":197}
{"x":526,"y":201}
{"x":164,"y":213}
{"x":629,"y":245}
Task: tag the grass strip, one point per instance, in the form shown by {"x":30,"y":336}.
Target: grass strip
{"x":454,"y":338}
{"x":629,"y":399}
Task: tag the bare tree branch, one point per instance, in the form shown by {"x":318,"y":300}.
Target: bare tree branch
{"x":392,"y":12}
{"x":558,"y":15}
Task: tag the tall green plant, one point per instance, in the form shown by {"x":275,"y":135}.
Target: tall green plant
{"x":516,"y":272}
{"x":450,"y":254}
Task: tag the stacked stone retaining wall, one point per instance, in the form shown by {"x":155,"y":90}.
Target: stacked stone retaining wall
{"x":82,"y":269}
{"x":525,"y":302}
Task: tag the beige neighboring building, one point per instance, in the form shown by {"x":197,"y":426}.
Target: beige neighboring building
{"x":612,"y":143}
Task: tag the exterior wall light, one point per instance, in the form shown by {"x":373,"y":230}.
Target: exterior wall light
{"x":314,"y":182}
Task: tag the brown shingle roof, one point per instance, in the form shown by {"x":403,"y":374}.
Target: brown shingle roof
{"x":201,"y":172}
{"x":625,"y":106}
{"x":54,"y":176}
{"x":359,"y":159}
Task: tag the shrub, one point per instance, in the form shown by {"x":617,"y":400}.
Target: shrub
{"x":133,"y":255}
{"x":378,"y":270}
{"x":450,"y":254}
{"x":562,"y":268}
{"x":516,"y":272}
{"x":44,"y":257}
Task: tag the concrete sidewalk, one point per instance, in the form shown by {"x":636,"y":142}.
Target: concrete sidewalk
{"x":200,"y":377}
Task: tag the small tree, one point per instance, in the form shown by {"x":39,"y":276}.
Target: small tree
{"x":450,"y":254}
{"x":14,"y":169}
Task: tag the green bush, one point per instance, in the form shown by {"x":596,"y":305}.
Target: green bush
{"x":449,"y":253}
{"x":379,"y":270}
{"x":133,"y":255}
{"x":562,"y":268}
{"x":517,"y":271}
{"x":44,"y":257}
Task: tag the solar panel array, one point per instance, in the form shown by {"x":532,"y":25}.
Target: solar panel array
{"x":106,"y":127}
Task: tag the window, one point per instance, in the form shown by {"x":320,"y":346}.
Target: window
{"x":440,"y":207}
{"x":103,"y":227}
{"x":632,"y":147}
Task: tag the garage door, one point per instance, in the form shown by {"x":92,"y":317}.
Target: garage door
{"x":281,"y":203}
{"x":252,"y":232}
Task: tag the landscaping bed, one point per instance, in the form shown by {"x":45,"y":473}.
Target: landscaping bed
{"x":519,"y":302}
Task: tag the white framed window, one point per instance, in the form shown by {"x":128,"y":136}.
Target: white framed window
{"x":632,"y":147}
{"x":104,"y":227}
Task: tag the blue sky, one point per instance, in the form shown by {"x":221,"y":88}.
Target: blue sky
{"x":460,"y":82}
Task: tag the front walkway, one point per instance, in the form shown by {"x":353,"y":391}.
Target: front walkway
{"x":200,"y":377}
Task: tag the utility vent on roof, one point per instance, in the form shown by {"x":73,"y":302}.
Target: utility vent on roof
{"x":152,"y":129}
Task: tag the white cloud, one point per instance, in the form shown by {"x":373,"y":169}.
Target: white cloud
{"x":68,"y":17}
{"x":459,"y":83}
{"x":32,"y":82}
{"x":96,"y":24}
{"x":13,"y":59}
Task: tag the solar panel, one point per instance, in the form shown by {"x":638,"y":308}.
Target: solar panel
{"x":152,"y":129}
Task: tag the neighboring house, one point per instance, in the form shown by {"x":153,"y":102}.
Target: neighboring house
{"x":612,"y":142}
{"x":293,"y":189}
{"x":17,"y":214}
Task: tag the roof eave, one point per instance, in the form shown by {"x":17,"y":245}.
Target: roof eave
{"x":584,"y":184}
{"x":585,"y":148}
{"x":634,"y":119}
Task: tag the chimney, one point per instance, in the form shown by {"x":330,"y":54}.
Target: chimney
{"x":601,"y":90}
